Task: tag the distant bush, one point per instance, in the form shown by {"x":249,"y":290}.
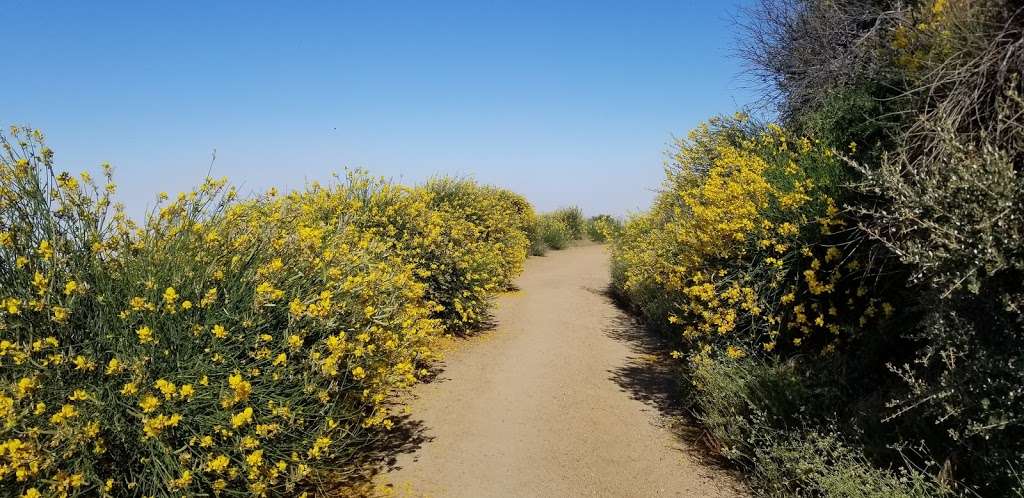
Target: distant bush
{"x":224,"y":346}
{"x":553,"y":231}
{"x":603,"y":227}
{"x":537,"y":245}
{"x":572,"y":218}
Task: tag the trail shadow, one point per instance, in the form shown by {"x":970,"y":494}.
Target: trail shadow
{"x":434,"y":373}
{"x":485,"y":325}
{"x":360,"y":475}
{"x":356,"y":477}
{"x":652,"y":376}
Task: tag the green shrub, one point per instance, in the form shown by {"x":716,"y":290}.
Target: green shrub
{"x":537,"y":245}
{"x":768,"y":417}
{"x":554,"y":233}
{"x":822,"y":464}
{"x":572,"y":218}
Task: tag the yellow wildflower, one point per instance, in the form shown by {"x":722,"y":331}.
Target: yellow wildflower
{"x":145,"y":335}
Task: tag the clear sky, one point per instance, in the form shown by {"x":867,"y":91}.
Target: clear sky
{"x":567,"y":102}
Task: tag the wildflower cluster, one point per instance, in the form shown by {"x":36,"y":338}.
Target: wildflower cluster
{"x":224,"y":346}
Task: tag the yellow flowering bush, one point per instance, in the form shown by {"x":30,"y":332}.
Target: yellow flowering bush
{"x":481,"y":248}
{"x":742,"y":249}
{"x":223,"y":346}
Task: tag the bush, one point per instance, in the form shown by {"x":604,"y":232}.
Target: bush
{"x":222,"y":346}
{"x":761,"y":415}
{"x":603,"y":227}
{"x":902,"y":269}
{"x":554,"y":233}
{"x":748,"y":258}
{"x":734,"y":241}
{"x":572,"y":218}
{"x":481,"y":248}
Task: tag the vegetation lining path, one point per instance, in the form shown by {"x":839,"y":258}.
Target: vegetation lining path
{"x":544,"y":404}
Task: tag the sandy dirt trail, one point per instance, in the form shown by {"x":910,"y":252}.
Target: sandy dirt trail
{"x":552,"y":402}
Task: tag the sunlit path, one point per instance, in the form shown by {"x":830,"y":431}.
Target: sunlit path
{"x":544,"y":405}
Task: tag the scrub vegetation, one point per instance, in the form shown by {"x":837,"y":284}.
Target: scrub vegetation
{"x":846,"y":282}
{"x":226,"y":346}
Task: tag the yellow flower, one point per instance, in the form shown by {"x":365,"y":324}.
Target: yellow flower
{"x":281,"y":359}
{"x":209,"y":298}
{"x":84,"y":364}
{"x":218,"y":463}
{"x":241,"y":418}
{"x":186,"y":391}
{"x":319,"y":446}
{"x":149,"y":403}
{"x":240,"y":386}
{"x":45,"y":251}
{"x":166,"y":387}
{"x":26,"y":385}
{"x":70,"y":287}
{"x":183,"y":481}
{"x":888,"y":309}
{"x":734,"y":352}
{"x":79,"y":395}
{"x":39,"y":282}
{"x":358,"y":372}
{"x":219,"y":331}
{"x":137,"y":303}
{"x":13,"y":306}
{"x":254,"y":459}
{"x":129,"y":389}
{"x":60,"y":314}
{"x":145,"y":335}
{"x":170,"y":295}
{"x":114,"y":366}
{"x":152,"y":427}
{"x":66,"y":412}
{"x":296,"y":308}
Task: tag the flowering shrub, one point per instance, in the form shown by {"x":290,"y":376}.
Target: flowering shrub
{"x":552,"y":232}
{"x":746,"y":256}
{"x":737,"y":242}
{"x":603,"y":227}
{"x":482,"y":247}
{"x":222,"y":347}
{"x":889,"y":293}
{"x":572,"y":218}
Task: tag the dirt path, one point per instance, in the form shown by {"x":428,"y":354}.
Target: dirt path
{"x":556,"y":401}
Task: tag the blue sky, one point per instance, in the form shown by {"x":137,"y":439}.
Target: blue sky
{"x":567,"y":102}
